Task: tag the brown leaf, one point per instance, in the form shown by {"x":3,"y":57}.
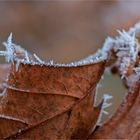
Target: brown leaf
{"x":4,"y":70}
{"x":125,"y":123}
{"x":83,"y":117}
{"x":39,"y":102}
{"x":69,"y":81}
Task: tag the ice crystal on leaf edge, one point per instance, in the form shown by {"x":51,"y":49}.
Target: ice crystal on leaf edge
{"x":11,"y":55}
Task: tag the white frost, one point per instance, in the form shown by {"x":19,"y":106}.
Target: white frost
{"x":27,"y":57}
{"x":126,"y":49}
{"x":19,"y":55}
{"x":108,"y":44}
{"x":125,"y":46}
{"x":106,"y":104}
{"x":38,"y":59}
{"x":51,"y":62}
{"x":9,"y":53}
{"x":12,"y":118}
{"x":106,"y":98}
{"x":3,"y":92}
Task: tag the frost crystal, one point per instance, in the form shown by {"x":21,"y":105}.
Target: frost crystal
{"x":27,"y":57}
{"x":51,"y":62}
{"x":108,"y":45}
{"x":105,"y":105}
{"x":11,"y":118}
{"x":106,"y":98}
{"x":9,"y":53}
{"x":135,"y":29}
{"x":125,"y":47}
{"x":38,"y":59}
{"x":3,"y":92}
{"x":19,"y":55}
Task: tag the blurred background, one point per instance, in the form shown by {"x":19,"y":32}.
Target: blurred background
{"x":68,"y":30}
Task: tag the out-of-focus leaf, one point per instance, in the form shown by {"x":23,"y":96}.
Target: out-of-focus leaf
{"x":125,"y":122}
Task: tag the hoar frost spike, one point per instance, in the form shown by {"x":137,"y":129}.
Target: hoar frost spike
{"x":38,"y":59}
{"x":106,"y":99}
{"x":126,"y":48}
{"x":9,"y":53}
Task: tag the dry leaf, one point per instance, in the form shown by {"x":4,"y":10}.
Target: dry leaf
{"x":83,"y":117}
{"x":56,"y":101}
{"x":43,"y":101}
